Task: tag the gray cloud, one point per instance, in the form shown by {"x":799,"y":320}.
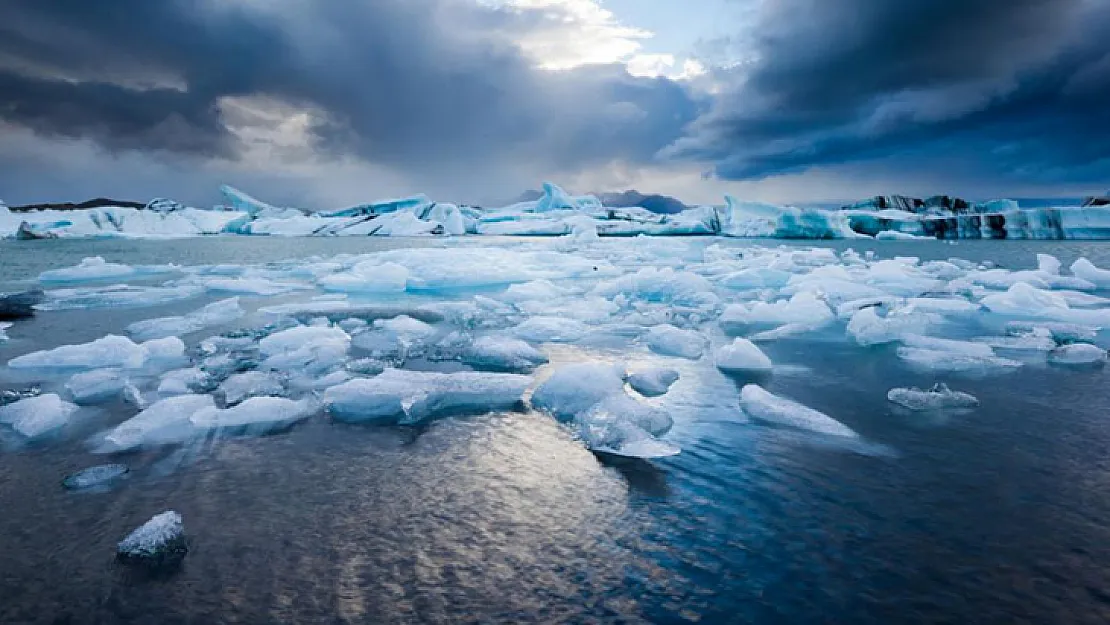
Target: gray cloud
{"x":434,"y":87}
{"x":1015,"y":85}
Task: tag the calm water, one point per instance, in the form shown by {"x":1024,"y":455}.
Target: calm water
{"x":998,"y":516}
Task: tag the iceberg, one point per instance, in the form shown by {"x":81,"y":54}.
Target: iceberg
{"x":939,"y":397}
{"x":35,"y":417}
{"x":398,"y":396}
{"x":764,"y":406}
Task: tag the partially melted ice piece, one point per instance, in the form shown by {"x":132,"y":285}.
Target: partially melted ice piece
{"x":161,"y":540}
{"x":868,"y":328}
{"x":241,"y":386}
{"x":503,"y":354}
{"x":940,"y":360}
{"x":35,"y":417}
{"x":551,"y":330}
{"x":668,"y":340}
{"x":4,"y":325}
{"x":398,"y":396}
{"x":93,"y":387}
{"x":255,"y":416}
{"x":217,"y":313}
{"x":164,"y":422}
{"x":95,"y":477}
{"x":742,"y":356}
{"x":652,"y":382}
{"x":939,"y":397}
{"x":305,"y":349}
{"x":91,"y":268}
{"x":574,"y":389}
{"x":1078,"y":354}
{"x":764,"y":406}
{"x":117,"y":296}
{"x":109,"y":351}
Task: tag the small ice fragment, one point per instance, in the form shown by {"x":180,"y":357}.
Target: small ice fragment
{"x":653,"y":382}
{"x":503,"y":354}
{"x":765,"y":406}
{"x":407,"y":397}
{"x":573,"y":389}
{"x":183,"y":381}
{"x":109,"y":351}
{"x":37,"y":416}
{"x":940,"y":397}
{"x":868,"y":328}
{"x":91,"y":268}
{"x":255,"y":416}
{"x":365,"y":366}
{"x":1086,"y":270}
{"x":95,"y":476}
{"x":551,"y":330}
{"x":742,"y":356}
{"x":92,"y":387}
{"x":164,"y":422}
{"x":160,"y":541}
{"x":941,"y":360}
{"x":4,"y":325}
{"x":1048,"y":264}
{"x":1078,"y":354}
{"x":668,"y":340}
{"x":241,"y":386}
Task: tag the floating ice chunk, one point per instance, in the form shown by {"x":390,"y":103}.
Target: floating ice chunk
{"x":551,"y":330}
{"x":163,"y":353}
{"x":1023,"y":300}
{"x":255,"y":416}
{"x":668,"y":340}
{"x":1078,"y":354}
{"x":756,"y":278}
{"x":868,"y":328}
{"x":742,"y":356}
{"x":620,"y":425}
{"x":322,"y":383}
{"x":664,"y":285}
{"x":941,"y":306}
{"x":940,"y":397}
{"x":627,"y":441}
{"x":166,"y":421}
{"x":653,"y":381}
{"x":160,"y":541}
{"x":1048,"y":264}
{"x":92,"y":268}
{"x":1038,"y":339}
{"x":803,"y":308}
{"x":183,"y":381}
{"x":941,"y":360}
{"x":4,"y":325}
{"x":788,"y":330}
{"x":116,"y":296}
{"x":38,"y":416}
{"x":251,"y":286}
{"x":764,"y":406}
{"x":850,"y":308}
{"x":92,"y":387}
{"x":574,"y":389}
{"x":1061,"y":332}
{"x":250,"y":384}
{"x":95,"y":477}
{"x":1086,"y":270}
{"x":369,"y":277}
{"x":216,"y":313}
{"x":407,"y":329}
{"x":365,"y":366}
{"x":307,"y":348}
{"x":534,"y":290}
{"x":408,"y":397}
{"x":109,"y":351}
{"x":969,"y":348}
{"x":503,"y":354}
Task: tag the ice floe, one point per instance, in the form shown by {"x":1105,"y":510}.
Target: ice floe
{"x":399,"y":396}
{"x":742,"y":356}
{"x":35,"y":417}
{"x":939,"y":397}
{"x":761,"y":405}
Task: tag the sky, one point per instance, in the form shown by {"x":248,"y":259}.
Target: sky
{"x":327,"y":103}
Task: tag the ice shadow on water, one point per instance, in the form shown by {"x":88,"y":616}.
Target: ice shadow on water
{"x":642,"y":476}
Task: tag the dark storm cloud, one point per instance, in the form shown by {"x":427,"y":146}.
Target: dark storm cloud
{"x":1020,"y":84}
{"x":408,"y":83}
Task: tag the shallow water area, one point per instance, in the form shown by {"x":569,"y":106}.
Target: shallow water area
{"x":997,"y":514}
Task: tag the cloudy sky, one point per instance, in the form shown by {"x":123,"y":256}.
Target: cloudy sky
{"x":328,"y":102}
